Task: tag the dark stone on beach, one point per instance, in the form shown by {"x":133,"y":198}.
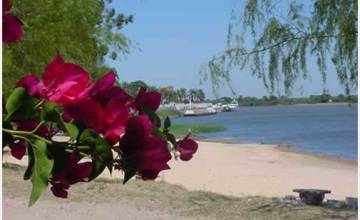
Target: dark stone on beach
{"x":351,"y":203}
{"x":312,"y":196}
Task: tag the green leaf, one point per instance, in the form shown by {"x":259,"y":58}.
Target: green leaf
{"x":30,"y":168}
{"x":170,"y":137}
{"x":157,"y":132}
{"x":72,"y":130}
{"x":57,"y":151}
{"x":20,"y":105}
{"x":167,"y":123}
{"x":128,"y":175}
{"x":15,"y":100}
{"x":49,"y":113}
{"x":101,"y":151}
{"x":42,"y":170}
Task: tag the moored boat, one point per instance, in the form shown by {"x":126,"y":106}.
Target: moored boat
{"x":200,"y":112}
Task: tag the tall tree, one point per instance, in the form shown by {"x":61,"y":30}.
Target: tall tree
{"x":284,"y":36}
{"x":84,"y":32}
{"x":200,"y":95}
{"x":132,"y":88}
{"x":182,"y":94}
{"x":192,"y":95}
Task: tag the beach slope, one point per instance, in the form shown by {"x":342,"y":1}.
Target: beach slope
{"x":264,"y":170}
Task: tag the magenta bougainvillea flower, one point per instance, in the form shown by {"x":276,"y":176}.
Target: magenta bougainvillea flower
{"x":72,"y":173}
{"x":18,"y":147}
{"x":12,"y":26}
{"x":95,"y":112}
{"x":103,"y":90}
{"x":105,"y":83}
{"x":88,"y":112}
{"x":147,"y":100}
{"x":117,"y":115}
{"x":102,"y":107}
{"x":187,"y":147}
{"x":62,"y":82}
{"x":30,"y":83}
{"x":144,"y":152}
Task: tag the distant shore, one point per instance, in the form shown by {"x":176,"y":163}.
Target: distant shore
{"x":328,"y":104}
{"x":304,"y":104}
{"x":256,"y":169}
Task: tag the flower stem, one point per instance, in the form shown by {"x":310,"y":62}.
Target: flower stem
{"x":39,"y":103}
{"x":26,"y":133}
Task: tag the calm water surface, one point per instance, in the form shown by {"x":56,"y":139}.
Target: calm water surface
{"x":330,"y":129}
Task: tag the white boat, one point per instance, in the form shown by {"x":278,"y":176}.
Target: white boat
{"x":234,"y":104}
{"x":200,"y":112}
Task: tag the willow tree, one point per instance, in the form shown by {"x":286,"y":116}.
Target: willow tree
{"x":85,"y":32}
{"x":277,"y":39}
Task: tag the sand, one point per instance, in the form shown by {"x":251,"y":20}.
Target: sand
{"x":263,"y":170}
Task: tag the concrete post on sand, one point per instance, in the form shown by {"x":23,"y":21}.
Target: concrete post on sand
{"x":312,"y":196}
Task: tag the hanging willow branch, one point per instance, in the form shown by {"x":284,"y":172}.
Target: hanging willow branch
{"x":283,"y":45}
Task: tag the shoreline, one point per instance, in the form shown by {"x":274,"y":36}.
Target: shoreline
{"x":309,"y":104}
{"x":281,"y":147}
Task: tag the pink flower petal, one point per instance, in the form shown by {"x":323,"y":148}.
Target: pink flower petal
{"x":187,"y":147}
{"x":59,"y":192}
{"x":18,"y":149}
{"x":6,"y":5}
{"x":139,"y":127}
{"x":87,"y":111}
{"x":105,"y":96}
{"x":148,"y":100}
{"x":30,"y":83}
{"x":12,"y":30}
{"x":63,"y":82}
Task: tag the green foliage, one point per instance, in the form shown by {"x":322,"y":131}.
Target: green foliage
{"x":168,"y":94}
{"x":49,"y":113}
{"x":282,"y":100}
{"x":41,"y":171}
{"x":100,"y":150}
{"x":183,"y":129}
{"x":132,"y":88}
{"x":72,"y":130}
{"x":284,"y":41}
{"x":15,"y":100}
{"x":83,"y":31}
{"x":167,"y":123}
{"x":20,"y":105}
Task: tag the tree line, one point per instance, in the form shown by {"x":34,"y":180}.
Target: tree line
{"x":169,"y":94}
{"x":283,"y":100}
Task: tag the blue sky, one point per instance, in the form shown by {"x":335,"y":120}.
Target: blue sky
{"x":174,"y":38}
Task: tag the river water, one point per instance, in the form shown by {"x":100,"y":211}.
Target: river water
{"x":324,"y":129}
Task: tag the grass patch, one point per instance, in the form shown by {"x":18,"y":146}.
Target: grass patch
{"x":169,"y":112}
{"x":183,"y":129}
{"x":159,"y":197}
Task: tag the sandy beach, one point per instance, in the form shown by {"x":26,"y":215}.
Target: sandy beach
{"x":201,"y":188}
{"x":264,"y":170}
{"x":253,"y":169}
